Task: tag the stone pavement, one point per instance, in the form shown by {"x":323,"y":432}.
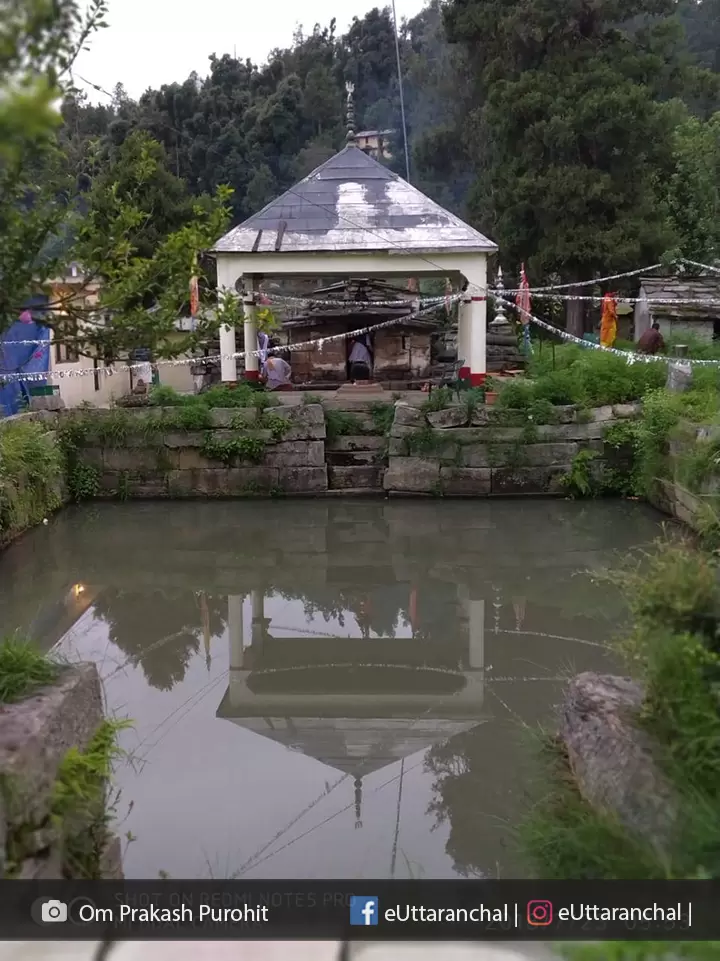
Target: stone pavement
{"x":269,"y":951}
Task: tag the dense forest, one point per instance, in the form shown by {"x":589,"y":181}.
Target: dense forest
{"x":510,"y":106}
{"x":581,"y":136}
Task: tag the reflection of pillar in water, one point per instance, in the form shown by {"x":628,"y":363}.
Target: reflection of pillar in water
{"x":258,"y":616}
{"x":205,"y":621}
{"x":476,"y":631}
{"x":235,"y":630}
{"x":519,"y":608}
{"x":358,"y":802}
{"x":412,"y":609}
{"x":497,"y":607}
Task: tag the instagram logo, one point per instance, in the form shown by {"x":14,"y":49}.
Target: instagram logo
{"x":539,"y":913}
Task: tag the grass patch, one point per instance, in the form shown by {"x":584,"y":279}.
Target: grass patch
{"x":32,"y":470}
{"x":82,"y":807}
{"x":673,"y":648}
{"x":340,"y":423}
{"x":23,"y":669}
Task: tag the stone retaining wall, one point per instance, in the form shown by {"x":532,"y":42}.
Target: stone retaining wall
{"x":35,"y":736}
{"x":243,"y":451}
{"x":696,"y":508}
{"x":493,"y":451}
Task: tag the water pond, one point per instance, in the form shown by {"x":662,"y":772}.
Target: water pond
{"x":326,"y":689}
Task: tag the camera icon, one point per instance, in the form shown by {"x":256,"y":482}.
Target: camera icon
{"x":52,"y":911}
{"x":539,"y":913}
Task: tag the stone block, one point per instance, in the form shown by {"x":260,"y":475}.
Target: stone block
{"x":222,"y":482}
{"x":231,"y":416}
{"x":601,"y":415}
{"x":612,"y":759}
{"x":307,"y":421}
{"x":456,"y":416}
{"x":412,"y":474}
{"x":407,"y":416}
{"x":465,"y":481}
{"x":302,"y":480}
{"x":528,"y":480}
{"x":92,"y":456}
{"x":188,"y":458}
{"x":355,"y":442}
{"x":36,"y":734}
{"x":128,"y":458}
{"x":186,"y":438}
{"x":528,"y":455}
{"x":364,"y":476}
{"x":133,"y":484}
{"x":626,"y":411}
{"x":296,"y":453}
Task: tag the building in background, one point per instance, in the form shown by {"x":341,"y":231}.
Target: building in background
{"x":688,"y":307}
{"x":376,"y":143}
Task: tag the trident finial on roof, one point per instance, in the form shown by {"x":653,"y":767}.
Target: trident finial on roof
{"x":350,"y":88}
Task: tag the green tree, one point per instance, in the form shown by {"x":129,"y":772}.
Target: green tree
{"x":162,"y":196}
{"x":571,"y":133}
{"x":691,"y":190}
{"x":39,"y":42}
{"x":144,"y":252}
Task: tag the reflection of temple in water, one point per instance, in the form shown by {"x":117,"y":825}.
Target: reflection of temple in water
{"x":358,"y":704}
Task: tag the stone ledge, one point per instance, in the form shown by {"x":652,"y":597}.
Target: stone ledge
{"x":612,"y":759}
{"x":35,"y":735}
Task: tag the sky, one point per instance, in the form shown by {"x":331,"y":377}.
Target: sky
{"x":151,"y":42}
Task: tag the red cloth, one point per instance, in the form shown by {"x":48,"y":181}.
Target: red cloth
{"x":522,"y":300}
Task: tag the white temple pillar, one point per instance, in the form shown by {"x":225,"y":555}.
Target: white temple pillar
{"x":252,"y":361}
{"x":226,"y":280}
{"x":228,"y":363}
{"x":257,"y":613}
{"x":463,"y":341}
{"x":476,"y":276}
{"x":476,"y":633}
{"x":235,"y":630}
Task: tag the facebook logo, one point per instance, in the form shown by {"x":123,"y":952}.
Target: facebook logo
{"x":364,"y":910}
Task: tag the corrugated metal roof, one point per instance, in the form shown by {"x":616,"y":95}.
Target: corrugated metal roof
{"x":352,"y":203}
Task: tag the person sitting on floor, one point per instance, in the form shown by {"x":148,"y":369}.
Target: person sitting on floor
{"x":360,"y":360}
{"x":276,"y":373}
{"x":651,"y":341}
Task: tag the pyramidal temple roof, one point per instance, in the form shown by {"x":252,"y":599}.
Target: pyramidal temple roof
{"x":352,"y":203}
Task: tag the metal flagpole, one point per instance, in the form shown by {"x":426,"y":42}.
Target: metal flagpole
{"x":402,"y":96}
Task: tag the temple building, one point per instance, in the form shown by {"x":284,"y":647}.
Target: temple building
{"x":354,"y":218}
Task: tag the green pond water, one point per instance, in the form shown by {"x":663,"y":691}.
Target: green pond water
{"x":326,"y":689}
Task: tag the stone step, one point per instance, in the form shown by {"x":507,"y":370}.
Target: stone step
{"x":355,"y":442}
{"x":355,"y":458}
{"x":355,"y":477}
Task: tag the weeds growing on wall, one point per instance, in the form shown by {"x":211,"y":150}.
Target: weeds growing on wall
{"x":82,"y":807}
{"x":341,"y":423}
{"x":219,"y":396}
{"x":672,"y":648}
{"x":580,"y":480}
{"x":248,"y":449}
{"x":23,"y":669}
{"x":31,"y":475}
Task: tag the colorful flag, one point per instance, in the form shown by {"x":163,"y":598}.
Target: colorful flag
{"x":523,"y":304}
{"x":194,"y":296}
{"x":608,"y":323}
